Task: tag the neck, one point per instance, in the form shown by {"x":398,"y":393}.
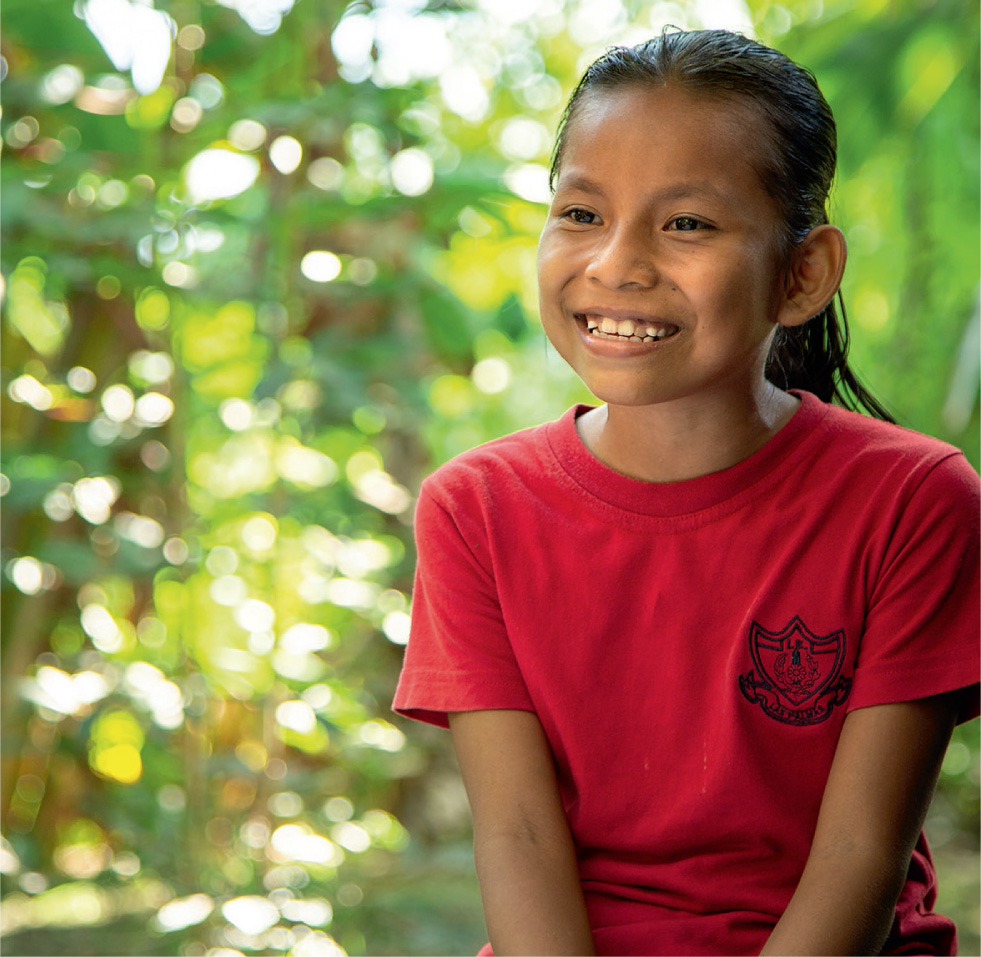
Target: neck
{"x":685,"y":438}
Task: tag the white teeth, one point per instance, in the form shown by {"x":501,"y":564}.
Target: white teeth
{"x":608,"y":328}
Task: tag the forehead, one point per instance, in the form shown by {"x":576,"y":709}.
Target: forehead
{"x":639,"y":132}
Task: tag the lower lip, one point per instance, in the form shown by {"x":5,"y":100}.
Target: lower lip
{"x":624,"y":348}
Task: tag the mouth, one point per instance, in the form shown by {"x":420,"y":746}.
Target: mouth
{"x":627,"y":330}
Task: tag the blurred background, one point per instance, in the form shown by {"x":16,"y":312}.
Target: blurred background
{"x":264,"y":267}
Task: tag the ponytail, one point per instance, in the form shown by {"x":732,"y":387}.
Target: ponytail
{"x":814,"y":357}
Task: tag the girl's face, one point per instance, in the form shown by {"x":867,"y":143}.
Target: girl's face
{"x":658,"y":266}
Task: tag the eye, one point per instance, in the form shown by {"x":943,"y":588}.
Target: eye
{"x":579,"y":216}
{"x":686,"y":224}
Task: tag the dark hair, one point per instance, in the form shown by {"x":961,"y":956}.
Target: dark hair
{"x":797,"y":167}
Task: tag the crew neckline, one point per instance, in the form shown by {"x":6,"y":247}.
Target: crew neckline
{"x":663,"y":499}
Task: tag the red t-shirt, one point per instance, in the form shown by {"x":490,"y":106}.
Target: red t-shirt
{"x":692,"y":648}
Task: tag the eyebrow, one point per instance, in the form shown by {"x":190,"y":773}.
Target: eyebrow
{"x":695,"y":189}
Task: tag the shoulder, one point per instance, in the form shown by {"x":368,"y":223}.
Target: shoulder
{"x":874,"y":437}
{"x":513,"y":461}
{"x":877,"y":482}
{"x":894,"y":492}
{"x":485,"y":488}
{"x":873,"y":452}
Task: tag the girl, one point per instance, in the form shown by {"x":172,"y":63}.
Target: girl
{"x":700,"y":647}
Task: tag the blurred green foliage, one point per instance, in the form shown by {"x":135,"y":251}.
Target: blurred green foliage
{"x":263,"y":269}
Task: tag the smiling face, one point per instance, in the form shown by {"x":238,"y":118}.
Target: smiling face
{"x":659,"y":269}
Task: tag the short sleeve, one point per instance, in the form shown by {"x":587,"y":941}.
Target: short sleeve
{"x":458,"y":657}
{"x":921,"y":635}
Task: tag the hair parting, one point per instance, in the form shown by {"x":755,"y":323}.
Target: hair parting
{"x":797,"y":167}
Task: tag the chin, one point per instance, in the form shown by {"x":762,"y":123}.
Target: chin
{"x":627,"y":396}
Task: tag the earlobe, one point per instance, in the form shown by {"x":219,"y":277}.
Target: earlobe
{"x":816,"y":267}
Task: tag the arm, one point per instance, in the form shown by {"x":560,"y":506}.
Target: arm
{"x":881,"y":782}
{"x":525,"y":859}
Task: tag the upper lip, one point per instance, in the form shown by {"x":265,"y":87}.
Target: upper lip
{"x":601,"y":312}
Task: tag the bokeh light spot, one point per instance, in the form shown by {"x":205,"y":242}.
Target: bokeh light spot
{"x":319,"y":265}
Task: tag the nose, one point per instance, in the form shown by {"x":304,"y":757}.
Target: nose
{"x":623,"y":256}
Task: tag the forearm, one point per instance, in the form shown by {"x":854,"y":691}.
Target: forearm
{"x":844,"y":904}
{"x":533,"y":901}
{"x":876,"y":798}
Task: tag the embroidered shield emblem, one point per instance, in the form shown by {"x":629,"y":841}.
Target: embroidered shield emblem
{"x":797,"y":678}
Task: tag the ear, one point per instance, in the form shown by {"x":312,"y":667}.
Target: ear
{"x":814,"y":274}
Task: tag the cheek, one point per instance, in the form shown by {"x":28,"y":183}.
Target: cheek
{"x":552,"y":264}
{"x":768,"y":268}
{"x":542,"y":260}
{"x":752,"y":279}
{"x":548,"y":246}
{"x":769,"y":286}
